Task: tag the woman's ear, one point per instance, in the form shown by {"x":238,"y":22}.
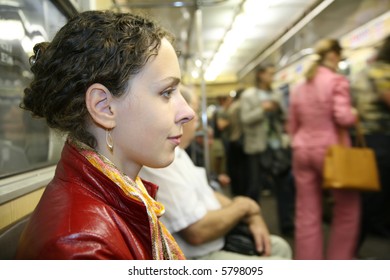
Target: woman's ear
{"x":98,"y":99}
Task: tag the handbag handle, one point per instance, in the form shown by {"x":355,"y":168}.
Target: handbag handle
{"x":360,"y":141}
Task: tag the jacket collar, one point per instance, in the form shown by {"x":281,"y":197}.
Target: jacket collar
{"x":73,"y":165}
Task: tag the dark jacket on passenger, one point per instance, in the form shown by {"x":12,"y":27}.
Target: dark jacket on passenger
{"x":84,"y":215}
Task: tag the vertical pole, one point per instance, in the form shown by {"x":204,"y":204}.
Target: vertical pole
{"x":198,"y":16}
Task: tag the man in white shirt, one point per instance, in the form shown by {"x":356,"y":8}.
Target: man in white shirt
{"x":198,"y":217}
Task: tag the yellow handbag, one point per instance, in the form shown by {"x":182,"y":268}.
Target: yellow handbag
{"x":352,"y":168}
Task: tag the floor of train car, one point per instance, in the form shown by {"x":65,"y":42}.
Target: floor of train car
{"x":373,"y":248}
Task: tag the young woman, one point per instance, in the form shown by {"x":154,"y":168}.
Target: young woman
{"x":111,"y":82}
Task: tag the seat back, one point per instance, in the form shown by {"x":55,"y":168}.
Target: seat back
{"x":9,"y":239}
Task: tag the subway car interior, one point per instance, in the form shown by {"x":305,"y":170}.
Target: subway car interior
{"x":220,"y":43}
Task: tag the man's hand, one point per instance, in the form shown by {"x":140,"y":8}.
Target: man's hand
{"x":256,"y":224}
{"x":260,"y":233}
{"x":252,"y":208}
{"x":224,"y":179}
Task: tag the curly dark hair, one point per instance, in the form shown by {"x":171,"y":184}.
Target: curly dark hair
{"x":93,"y":47}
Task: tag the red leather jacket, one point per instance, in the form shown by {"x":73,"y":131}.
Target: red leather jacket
{"x":84,"y":215}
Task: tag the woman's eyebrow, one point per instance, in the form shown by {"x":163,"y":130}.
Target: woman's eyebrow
{"x":170,"y":80}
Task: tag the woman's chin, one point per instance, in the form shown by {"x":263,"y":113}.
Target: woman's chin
{"x":162,"y":163}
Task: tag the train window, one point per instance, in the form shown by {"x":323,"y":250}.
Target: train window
{"x":26,"y":143}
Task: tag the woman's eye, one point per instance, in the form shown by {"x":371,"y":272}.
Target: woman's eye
{"x":168,"y":93}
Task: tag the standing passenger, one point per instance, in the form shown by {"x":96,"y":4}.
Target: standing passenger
{"x":263,"y":121}
{"x":236,"y":162}
{"x":372,"y":94}
{"x":111,"y":82}
{"x":259,"y":106}
{"x":319,"y":107}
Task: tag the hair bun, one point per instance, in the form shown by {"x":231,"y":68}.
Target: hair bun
{"x":38,"y":50}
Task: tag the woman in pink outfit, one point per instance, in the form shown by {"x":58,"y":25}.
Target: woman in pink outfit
{"x":319,"y":107}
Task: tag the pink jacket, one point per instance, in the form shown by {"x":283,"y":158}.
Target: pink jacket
{"x":317,"y":108}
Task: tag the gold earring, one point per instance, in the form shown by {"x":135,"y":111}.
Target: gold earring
{"x":109,"y":142}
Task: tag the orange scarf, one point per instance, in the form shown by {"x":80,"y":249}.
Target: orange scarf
{"x":164,"y":246}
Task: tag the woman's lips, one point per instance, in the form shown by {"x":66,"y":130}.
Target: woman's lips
{"x":175,"y":139}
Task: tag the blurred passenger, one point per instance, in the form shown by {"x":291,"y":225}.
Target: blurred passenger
{"x":223,"y":121}
{"x":260,"y":106}
{"x":372,"y":96}
{"x":200,"y":217}
{"x":236,"y":161}
{"x":219,"y":122}
{"x":109,"y":80}
{"x":196,"y":149}
{"x":218,"y":181}
{"x":263,"y":122}
{"x":319,"y":107}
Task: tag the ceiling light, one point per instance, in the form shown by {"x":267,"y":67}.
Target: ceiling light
{"x":178,"y":4}
{"x":255,"y":6}
{"x":244,"y":21}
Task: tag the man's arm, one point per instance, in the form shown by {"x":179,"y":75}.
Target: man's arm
{"x":222,"y":199}
{"x":256,"y":223}
{"x":217,"y":223}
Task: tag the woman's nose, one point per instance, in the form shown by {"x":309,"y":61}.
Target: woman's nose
{"x":185,"y":112}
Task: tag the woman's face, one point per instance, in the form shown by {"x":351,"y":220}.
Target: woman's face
{"x":150,"y":117}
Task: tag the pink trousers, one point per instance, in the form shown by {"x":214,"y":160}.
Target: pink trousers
{"x":309,"y":234}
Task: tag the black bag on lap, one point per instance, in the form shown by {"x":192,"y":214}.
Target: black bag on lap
{"x":240,"y":240}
